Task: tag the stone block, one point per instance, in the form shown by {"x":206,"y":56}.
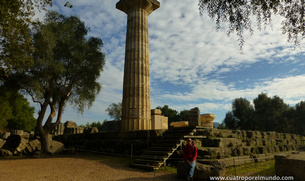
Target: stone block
{"x":279,"y":136}
{"x":70,"y":124}
{"x":207,"y":120}
{"x":254,"y":134}
{"x":246,"y":150}
{"x":179,"y":124}
{"x":264,"y":135}
{"x":156,"y":112}
{"x":56,"y":147}
{"x":15,"y":143}
{"x":286,"y":136}
{"x":222,"y":142}
{"x":17,"y":132}
{"x":259,"y":142}
{"x":254,"y":150}
{"x":5,"y":135}
{"x":276,"y":148}
{"x":282,"y":148}
{"x":194,"y":117}
{"x":224,"y":133}
{"x":5,"y":152}
{"x":33,"y":145}
{"x":159,"y":122}
{"x":291,"y":165}
{"x":295,"y":136}
{"x":237,"y":151}
{"x":272,"y":135}
{"x":2,"y":142}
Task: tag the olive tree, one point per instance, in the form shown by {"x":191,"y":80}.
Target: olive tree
{"x":66,"y":68}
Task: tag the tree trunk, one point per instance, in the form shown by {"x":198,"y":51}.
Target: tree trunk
{"x":45,"y":139}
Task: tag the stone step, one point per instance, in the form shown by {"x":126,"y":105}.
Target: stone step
{"x":195,"y":137}
{"x":165,"y":144}
{"x":153,"y":157}
{"x":170,"y":149}
{"x":162,"y":149}
{"x":165,"y":153}
{"x":168,"y":140}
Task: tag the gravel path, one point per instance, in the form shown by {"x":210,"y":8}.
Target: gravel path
{"x":75,"y":169}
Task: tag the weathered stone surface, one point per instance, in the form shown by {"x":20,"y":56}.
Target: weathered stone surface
{"x":136,"y":108}
{"x":17,"y":132}
{"x":5,"y":152}
{"x":291,"y":165}
{"x":70,"y":124}
{"x":224,"y":133}
{"x":91,"y":130}
{"x":5,"y":135}
{"x":222,"y":142}
{"x":179,"y":124}
{"x":262,"y":149}
{"x":246,"y":150}
{"x":33,"y":145}
{"x":254,"y":134}
{"x":194,"y":117}
{"x":211,"y":153}
{"x":203,"y":171}
{"x":16,"y":144}
{"x":2,"y":142}
{"x":156,"y":112}
{"x":56,"y":147}
{"x":113,"y":126}
{"x":159,"y":122}
{"x":207,"y":120}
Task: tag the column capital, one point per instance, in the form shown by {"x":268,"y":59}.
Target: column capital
{"x":128,"y":5}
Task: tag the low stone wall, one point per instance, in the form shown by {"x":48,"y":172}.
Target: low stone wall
{"x":221,"y":143}
{"x":132,"y":142}
{"x":211,"y":143}
{"x":291,"y":165}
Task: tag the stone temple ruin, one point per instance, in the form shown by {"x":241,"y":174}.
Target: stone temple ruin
{"x":144,"y":134}
{"x":151,"y":149}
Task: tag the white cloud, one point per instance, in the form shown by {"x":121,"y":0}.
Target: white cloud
{"x":186,"y":52}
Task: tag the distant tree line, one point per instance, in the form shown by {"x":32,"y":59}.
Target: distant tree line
{"x":97,"y":124}
{"x":173,"y":115}
{"x":15,"y":111}
{"x":115,"y":112}
{"x":266,"y":114}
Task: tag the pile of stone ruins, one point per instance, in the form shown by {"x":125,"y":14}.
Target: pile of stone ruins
{"x":18,"y":143}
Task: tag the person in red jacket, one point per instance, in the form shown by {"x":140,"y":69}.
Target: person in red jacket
{"x":190,"y":155}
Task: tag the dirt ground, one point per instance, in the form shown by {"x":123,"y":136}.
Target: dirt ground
{"x":75,"y":169}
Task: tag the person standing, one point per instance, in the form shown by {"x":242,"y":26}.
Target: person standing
{"x":190,"y":155}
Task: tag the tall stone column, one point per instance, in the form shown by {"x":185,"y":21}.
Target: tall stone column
{"x":136,"y":113}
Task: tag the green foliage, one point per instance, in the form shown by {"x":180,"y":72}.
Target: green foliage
{"x":238,"y":15}
{"x":230,"y":121}
{"x":66,"y":68}
{"x":183,"y":115}
{"x":268,"y":114}
{"x":97,"y":124}
{"x":173,"y":115}
{"x":15,"y":18}
{"x":268,"y":111}
{"x":170,"y":113}
{"x":67,"y":65}
{"x":243,"y":111}
{"x":15,"y":111}
{"x":115,"y":111}
{"x":300,"y":117}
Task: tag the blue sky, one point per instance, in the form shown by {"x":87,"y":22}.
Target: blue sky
{"x":191,"y":65}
